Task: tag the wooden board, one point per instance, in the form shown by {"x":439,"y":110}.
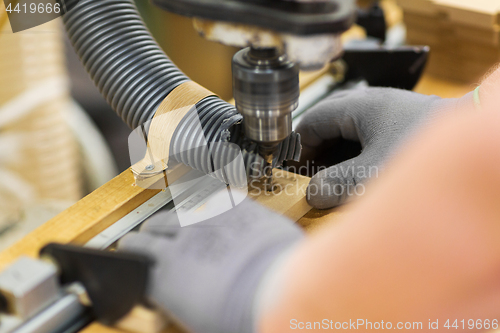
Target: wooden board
{"x":3,"y":15}
{"x":436,"y":30}
{"x":464,"y":36}
{"x":98,"y":328}
{"x":483,"y":14}
{"x":430,"y":85}
{"x":424,"y":7}
{"x":478,"y":13}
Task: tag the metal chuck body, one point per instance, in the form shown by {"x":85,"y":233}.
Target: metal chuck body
{"x":266,"y":91}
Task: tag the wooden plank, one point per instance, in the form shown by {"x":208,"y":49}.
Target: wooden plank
{"x":3,"y":15}
{"x":85,"y":219}
{"x":460,"y":50}
{"x":425,"y":7}
{"x":477,"y":35}
{"x":468,"y":71}
{"x":430,"y":85}
{"x":483,"y":14}
{"x":309,"y":77}
{"x":478,"y":13}
{"x":439,"y":29}
{"x":98,"y":328}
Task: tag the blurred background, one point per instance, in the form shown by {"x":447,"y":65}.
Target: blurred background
{"x":59,"y":139}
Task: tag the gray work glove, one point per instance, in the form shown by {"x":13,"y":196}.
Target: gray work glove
{"x":379,"y":119}
{"x":206,"y":275}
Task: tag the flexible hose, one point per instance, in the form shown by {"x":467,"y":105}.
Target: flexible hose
{"x":134,"y":75}
{"x":122,"y":58}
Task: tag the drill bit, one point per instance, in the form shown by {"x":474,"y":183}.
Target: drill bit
{"x":267,"y":152}
{"x":268,"y":176}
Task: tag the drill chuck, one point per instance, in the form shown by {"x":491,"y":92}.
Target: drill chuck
{"x":266,"y":91}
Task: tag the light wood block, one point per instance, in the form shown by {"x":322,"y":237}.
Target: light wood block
{"x":430,"y":85}
{"x":464,"y":36}
{"x":288,"y":198}
{"x":425,"y":7}
{"x":477,"y":13}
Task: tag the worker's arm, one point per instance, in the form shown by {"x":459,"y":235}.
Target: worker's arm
{"x":422,"y":244}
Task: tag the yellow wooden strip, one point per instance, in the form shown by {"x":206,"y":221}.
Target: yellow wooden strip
{"x":429,"y":85}
{"x":478,"y":13}
{"x":98,"y":328}
{"x":484,"y":14}
{"x":3,"y":15}
{"x":85,"y":219}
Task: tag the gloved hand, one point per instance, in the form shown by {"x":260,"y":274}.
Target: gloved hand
{"x":207,"y":274}
{"x":379,"y":119}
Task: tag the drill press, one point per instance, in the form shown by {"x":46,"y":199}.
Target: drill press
{"x":278,"y":37}
{"x":266,"y":91}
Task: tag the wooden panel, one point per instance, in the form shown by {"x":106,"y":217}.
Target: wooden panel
{"x":430,"y":85}
{"x":425,"y":7}
{"x":479,"y":13}
{"x":98,"y":328}
{"x":464,"y":36}
{"x":3,"y":15}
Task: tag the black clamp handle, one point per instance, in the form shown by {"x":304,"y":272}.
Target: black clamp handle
{"x":114,"y":281}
